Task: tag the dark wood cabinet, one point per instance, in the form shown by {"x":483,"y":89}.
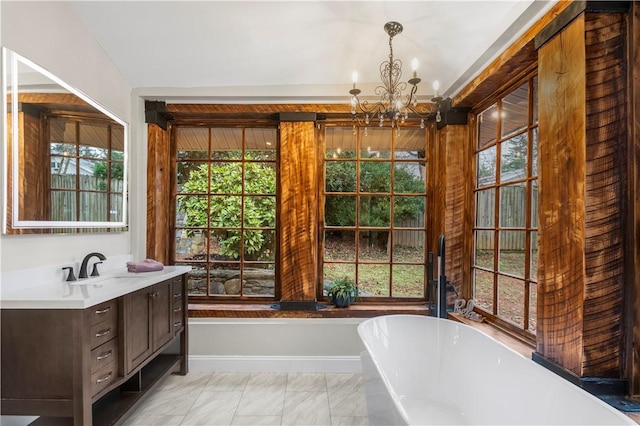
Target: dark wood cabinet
{"x":92,"y":366}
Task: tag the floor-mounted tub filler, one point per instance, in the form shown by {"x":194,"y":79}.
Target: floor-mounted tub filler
{"x":424,"y":371}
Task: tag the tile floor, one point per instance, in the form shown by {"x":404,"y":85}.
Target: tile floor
{"x":255,"y":399}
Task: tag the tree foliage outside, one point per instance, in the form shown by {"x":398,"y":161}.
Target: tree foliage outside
{"x":224,"y":212}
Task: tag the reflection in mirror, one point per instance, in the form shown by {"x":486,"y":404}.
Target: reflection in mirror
{"x":65,"y":155}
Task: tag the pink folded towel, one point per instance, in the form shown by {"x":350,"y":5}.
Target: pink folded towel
{"x":146,"y":265}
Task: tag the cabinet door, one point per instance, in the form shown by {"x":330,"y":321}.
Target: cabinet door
{"x":162,"y":314}
{"x":137,"y":311}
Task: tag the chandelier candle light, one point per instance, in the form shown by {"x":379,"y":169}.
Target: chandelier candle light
{"x":392,"y":104}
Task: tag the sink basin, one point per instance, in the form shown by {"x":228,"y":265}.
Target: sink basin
{"x":120,"y":278}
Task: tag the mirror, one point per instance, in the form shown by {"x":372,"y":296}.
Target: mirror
{"x":65,"y":155}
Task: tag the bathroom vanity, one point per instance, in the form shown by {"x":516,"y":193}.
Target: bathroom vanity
{"x":87,"y":352}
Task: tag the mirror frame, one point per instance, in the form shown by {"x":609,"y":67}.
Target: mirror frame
{"x":10,"y":61}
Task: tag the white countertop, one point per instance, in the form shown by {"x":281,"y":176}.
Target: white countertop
{"x":88,"y":292}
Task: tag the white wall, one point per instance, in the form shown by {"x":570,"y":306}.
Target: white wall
{"x":50,"y":34}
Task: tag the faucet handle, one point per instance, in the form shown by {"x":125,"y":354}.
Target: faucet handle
{"x":71,"y":276}
{"x":94,"y":272}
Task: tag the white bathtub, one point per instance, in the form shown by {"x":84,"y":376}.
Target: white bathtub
{"x":422,"y":370}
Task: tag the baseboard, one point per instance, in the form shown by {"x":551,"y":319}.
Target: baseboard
{"x":275,"y":364}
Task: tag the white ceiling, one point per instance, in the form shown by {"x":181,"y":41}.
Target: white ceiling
{"x":299,"y":49}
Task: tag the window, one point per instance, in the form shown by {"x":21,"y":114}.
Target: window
{"x":225,"y":224}
{"x":506,"y":217}
{"x":374,"y":210}
{"x":87,"y":166}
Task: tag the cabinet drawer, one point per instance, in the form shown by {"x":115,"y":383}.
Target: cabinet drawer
{"x":103,"y":312}
{"x":103,"y":377}
{"x":103,"y":332}
{"x":104,"y":355}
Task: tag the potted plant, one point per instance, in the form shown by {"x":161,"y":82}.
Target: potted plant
{"x":342,"y":292}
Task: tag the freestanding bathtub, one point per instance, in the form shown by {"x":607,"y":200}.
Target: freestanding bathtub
{"x":423,"y":370}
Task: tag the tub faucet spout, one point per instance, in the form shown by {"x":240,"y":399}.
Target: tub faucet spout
{"x":85,"y":263}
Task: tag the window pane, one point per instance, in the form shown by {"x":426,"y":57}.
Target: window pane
{"x":485,"y":250}
{"x":340,"y":176}
{"x":93,"y":206}
{"x":63,"y":205}
{"x":226,"y":178}
{"x":374,"y":211}
{"x":511,"y":299}
{"x":197,"y":279}
{"x":191,"y":211}
{"x":340,"y":142}
{"x":535,"y":99}
{"x":511,"y":258}
{"x":534,"y":203}
{"x":373,"y":246}
{"x":191,"y":245}
{"x":339,"y":245}
{"x":340,"y":210}
{"x":260,"y":212}
{"x":512,"y":206}
{"x":483,"y":293}
{"x":224,"y":279}
{"x":377,"y":143}
{"x":515,"y":108}
{"x":225,"y":212}
{"x":487,"y":126}
{"x":409,"y":178}
{"x":485,"y":208}
{"x":259,"y":178}
{"x":258,"y":280}
{"x":513,"y":158}
{"x":408,"y":212}
{"x":192,"y":177}
{"x":408,"y":246}
{"x":487,"y":167}
{"x":93,"y":175}
{"x":375,"y":176}
{"x":226,"y":144}
{"x":534,"y":257}
{"x":410,"y":144}
{"x":533,"y":307}
{"x":260,"y":144}
{"x":373,"y":280}
{"x":115,"y":212}
{"x":259,"y":245}
{"x":534,"y":152}
{"x":334,"y":271}
{"x":192,"y":143}
{"x":408,"y":280}
{"x":63,"y":176}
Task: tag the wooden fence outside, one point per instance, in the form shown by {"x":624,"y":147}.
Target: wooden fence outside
{"x":93,"y":198}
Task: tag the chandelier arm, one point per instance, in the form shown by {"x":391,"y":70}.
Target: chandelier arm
{"x":364,"y":106}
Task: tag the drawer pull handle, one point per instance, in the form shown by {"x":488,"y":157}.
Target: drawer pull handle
{"x":103,"y":311}
{"x":103,"y":379}
{"x":104,"y":355}
{"x":103,"y":332}
{"x":177,"y":323}
{"x":178,"y":309}
{"x":177,"y":295}
{"x":154,"y":295}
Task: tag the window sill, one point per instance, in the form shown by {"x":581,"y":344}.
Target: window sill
{"x":264,"y":310}
{"x":519,"y":345}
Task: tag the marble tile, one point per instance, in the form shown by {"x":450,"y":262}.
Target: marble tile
{"x":261,"y":401}
{"x":306,"y":382}
{"x":306,"y":408}
{"x":152,"y":420}
{"x":228,"y":381}
{"x":267,"y":381}
{"x":256,"y":420}
{"x":349,"y":421}
{"x":191,"y":380}
{"x":346,"y":395}
{"x":213,"y":408}
{"x":172,"y":401}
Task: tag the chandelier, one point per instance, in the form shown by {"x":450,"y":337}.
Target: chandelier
{"x":393,"y":105}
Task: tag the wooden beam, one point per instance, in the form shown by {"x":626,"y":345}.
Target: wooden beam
{"x":562,"y":158}
{"x":298,"y":213}
{"x":158,"y":194}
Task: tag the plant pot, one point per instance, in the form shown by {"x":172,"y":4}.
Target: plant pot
{"x":341,"y":302}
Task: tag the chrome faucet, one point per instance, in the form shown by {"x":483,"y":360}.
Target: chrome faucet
{"x":85,"y":262}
